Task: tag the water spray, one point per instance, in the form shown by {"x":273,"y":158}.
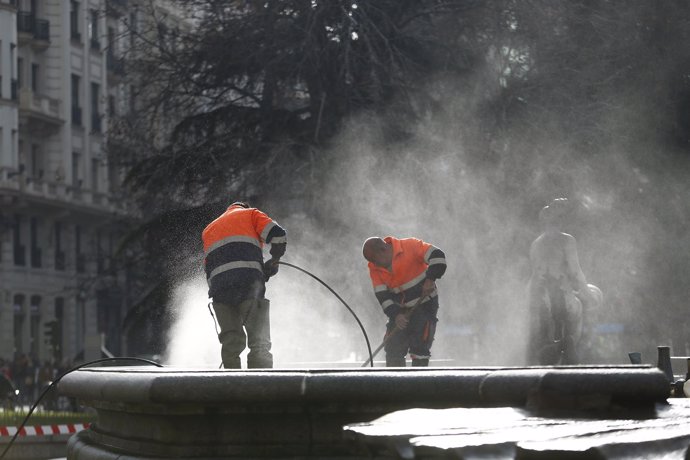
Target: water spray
{"x":366,"y":337}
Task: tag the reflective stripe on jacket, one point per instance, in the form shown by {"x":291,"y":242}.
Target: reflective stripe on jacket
{"x":413,"y":261}
{"x":233,"y":245}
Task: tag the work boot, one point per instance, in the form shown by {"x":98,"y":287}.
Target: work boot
{"x":232,"y":363}
{"x":395,"y":361}
{"x":420,"y":362}
{"x":261,"y":360}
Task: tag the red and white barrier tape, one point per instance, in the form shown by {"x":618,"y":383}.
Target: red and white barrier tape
{"x":43,"y":430}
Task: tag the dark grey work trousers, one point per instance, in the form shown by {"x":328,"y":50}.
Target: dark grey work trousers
{"x":252,"y":316}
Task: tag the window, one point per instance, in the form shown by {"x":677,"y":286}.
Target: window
{"x":100,"y":258}
{"x":79,"y":257}
{"x":80,"y":320}
{"x":74,"y":20}
{"x":20,"y":73}
{"x":95,"y":115}
{"x":59,"y":309}
{"x":19,"y":248}
{"x":36,"y":256}
{"x":34,"y":78}
{"x":76,"y":108}
{"x":93,"y":30}
{"x":59,"y":253}
{"x":21,"y":156}
{"x":59,"y":317}
{"x":109,"y":253}
{"x":75,"y":90}
{"x":15,"y":142}
{"x":76,"y":168}
{"x":95,"y":167}
{"x":13,"y":81}
{"x":111,"y":42}
{"x":36,"y":162}
{"x":34,"y":324}
{"x":18,"y":307}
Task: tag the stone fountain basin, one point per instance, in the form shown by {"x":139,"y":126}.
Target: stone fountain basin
{"x":149,"y":412}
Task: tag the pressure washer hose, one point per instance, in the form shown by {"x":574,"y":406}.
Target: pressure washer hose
{"x":55,"y":382}
{"x":366,"y":337}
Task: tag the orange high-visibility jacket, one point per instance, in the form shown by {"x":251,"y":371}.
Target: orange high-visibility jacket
{"x":233,"y":245}
{"x":413,"y":262}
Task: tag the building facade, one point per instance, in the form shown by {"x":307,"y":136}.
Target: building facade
{"x":60,"y":79}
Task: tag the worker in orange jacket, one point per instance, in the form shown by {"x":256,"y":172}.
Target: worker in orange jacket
{"x":404,"y":273}
{"x":236,"y":275}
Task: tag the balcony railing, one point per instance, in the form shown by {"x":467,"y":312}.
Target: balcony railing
{"x":26,"y":22}
{"x":38,"y":28}
{"x":54,"y":187}
{"x":76,"y":116}
{"x":46,"y":106}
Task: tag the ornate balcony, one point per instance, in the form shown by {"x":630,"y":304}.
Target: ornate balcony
{"x":32,"y":30}
{"x":34,"y":107}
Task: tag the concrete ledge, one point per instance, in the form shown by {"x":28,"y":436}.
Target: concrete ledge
{"x":575,"y":387}
{"x":35,"y":447}
{"x":192,"y":413}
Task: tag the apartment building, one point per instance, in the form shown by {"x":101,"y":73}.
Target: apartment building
{"x":60,"y":80}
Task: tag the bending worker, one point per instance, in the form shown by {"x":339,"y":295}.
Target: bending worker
{"x":557,"y":290}
{"x":404,"y":274}
{"x":236,"y":275}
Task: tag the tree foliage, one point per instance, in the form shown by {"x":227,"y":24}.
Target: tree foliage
{"x":245,"y":99}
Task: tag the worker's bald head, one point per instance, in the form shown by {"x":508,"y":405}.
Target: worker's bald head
{"x":377,"y":251}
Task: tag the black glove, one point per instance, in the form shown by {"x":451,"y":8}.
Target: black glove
{"x":278,"y":250}
{"x":270,"y":268}
{"x":392,"y":311}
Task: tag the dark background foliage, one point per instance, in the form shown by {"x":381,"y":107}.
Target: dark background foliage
{"x":533,"y":99}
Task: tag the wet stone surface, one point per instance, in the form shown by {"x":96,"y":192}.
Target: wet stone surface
{"x":512,"y":433}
